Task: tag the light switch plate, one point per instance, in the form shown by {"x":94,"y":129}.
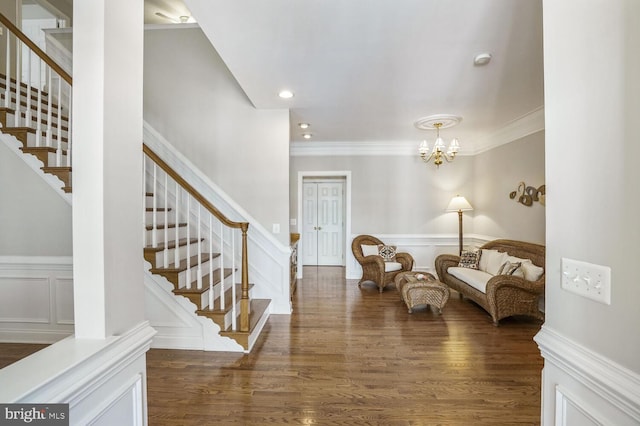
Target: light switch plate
{"x":587,"y":279}
{"x":275,"y":228}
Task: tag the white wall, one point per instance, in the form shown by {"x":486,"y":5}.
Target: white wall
{"x":191,"y":98}
{"x":395,"y":194}
{"x":497,"y":173}
{"x":402,"y":195}
{"x":592,"y":131}
{"x":34,"y":220}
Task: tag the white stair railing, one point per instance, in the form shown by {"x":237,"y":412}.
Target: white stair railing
{"x":32,"y":99}
{"x":214,"y":256}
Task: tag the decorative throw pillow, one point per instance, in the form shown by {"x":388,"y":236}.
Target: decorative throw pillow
{"x":532,"y":272}
{"x":469,"y":259}
{"x":491,"y":261}
{"x":509,"y":268}
{"x":388,"y":253}
{"x":369,"y":249}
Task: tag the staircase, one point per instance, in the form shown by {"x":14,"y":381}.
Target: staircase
{"x":188,"y":242}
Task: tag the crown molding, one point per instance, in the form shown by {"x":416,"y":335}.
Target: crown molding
{"x":526,"y":125}
{"x":512,"y":131}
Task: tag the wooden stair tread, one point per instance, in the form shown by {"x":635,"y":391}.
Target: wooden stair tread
{"x":169,"y":225}
{"x":18,"y":129}
{"x":172,"y":244}
{"x":183,"y":264}
{"x":258,"y":308}
{"x":56,"y":168}
{"x":158,"y":209}
{"x":228,"y":295}
{"x":205,"y":283}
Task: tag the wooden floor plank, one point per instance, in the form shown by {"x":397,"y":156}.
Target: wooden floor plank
{"x":353,"y":356}
{"x":349,"y":356}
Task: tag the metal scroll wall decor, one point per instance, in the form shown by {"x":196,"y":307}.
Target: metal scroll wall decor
{"x":528,"y":194}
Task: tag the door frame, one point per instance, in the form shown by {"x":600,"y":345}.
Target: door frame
{"x":346,"y":175}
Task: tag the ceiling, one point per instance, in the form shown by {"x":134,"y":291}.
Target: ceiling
{"x":366,"y":70}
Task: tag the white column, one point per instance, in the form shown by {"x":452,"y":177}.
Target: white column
{"x":107,"y":167}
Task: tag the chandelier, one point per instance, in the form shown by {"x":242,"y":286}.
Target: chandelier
{"x":440,"y":152}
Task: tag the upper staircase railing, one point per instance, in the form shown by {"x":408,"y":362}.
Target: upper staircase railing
{"x":38,"y":93}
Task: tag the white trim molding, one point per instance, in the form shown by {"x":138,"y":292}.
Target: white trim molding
{"x":91,"y":375}
{"x":37,"y":301}
{"x":583,"y":387}
{"x":526,"y":125}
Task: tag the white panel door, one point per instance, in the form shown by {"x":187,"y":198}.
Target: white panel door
{"x":323,"y":229}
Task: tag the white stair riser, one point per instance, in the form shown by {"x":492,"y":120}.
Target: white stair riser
{"x":182,"y":233}
{"x":11,"y":121}
{"x":160,"y":218}
{"x":182,"y":276}
{"x":53,"y":162}
{"x":172,"y":252}
{"x":34,"y":110}
{"x":31,"y":141}
{"x":228,"y":317}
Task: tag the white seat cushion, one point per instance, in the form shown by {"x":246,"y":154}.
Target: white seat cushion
{"x":474,"y":277}
{"x":392,"y":266}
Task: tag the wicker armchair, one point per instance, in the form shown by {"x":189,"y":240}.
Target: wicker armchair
{"x":506,"y":295}
{"x":373,"y":266}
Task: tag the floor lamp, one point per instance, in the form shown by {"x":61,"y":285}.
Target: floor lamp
{"x":459,"y":204}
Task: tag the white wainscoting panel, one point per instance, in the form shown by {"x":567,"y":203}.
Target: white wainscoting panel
{"x":37,"y":299}
{"x":25,"y":299}
{"x":583,"y":388}
{"x":64,"y":300}
{"x":423,"y":247}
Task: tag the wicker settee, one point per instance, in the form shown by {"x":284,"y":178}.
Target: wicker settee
{"x":504,"y":295}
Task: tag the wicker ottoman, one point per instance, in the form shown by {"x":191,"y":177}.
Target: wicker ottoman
{"x":421,"y":288}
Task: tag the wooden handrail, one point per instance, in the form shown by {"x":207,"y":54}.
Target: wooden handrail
{"x":245,"y":305}
{"x":16,"y":31}
{"x":191,"y":190}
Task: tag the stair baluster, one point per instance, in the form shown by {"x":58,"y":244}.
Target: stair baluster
{"x":205,"y":227}
{"x":18,"y":106}
{"x":165,"y":233}
{"x":7,"y":73}
{"x":39,"y":107}
{"x":45,"y":99}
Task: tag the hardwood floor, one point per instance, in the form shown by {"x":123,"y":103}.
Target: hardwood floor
{"x":12,"y":352}
{"x":351,"y":356}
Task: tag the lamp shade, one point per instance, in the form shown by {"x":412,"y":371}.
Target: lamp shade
{"x":458,"y":203}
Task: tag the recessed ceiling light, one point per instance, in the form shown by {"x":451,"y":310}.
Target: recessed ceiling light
{"x":482,"y":59}
{"x":286,"y":94}
{"x":307,"y":135}
{"x":304,"y":125}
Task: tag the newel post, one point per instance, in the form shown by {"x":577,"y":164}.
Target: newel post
{"x":244,"y":301}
